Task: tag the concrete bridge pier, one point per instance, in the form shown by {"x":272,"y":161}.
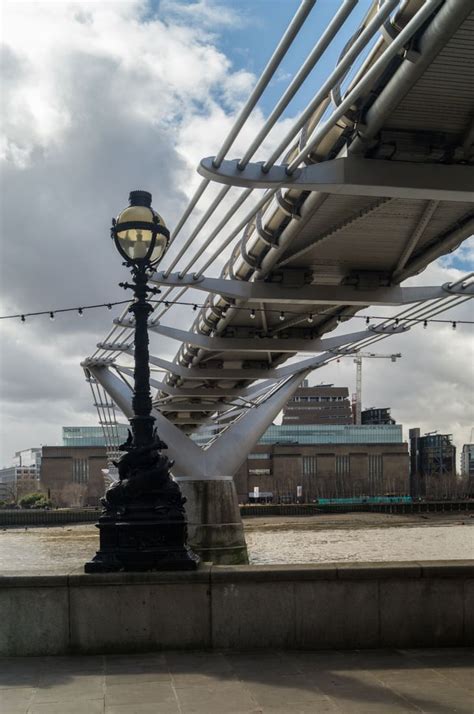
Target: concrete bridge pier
{"x":215,"y":530}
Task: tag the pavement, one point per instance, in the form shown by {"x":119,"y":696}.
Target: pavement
{"x":366,"y":681}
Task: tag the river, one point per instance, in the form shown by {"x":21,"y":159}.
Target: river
{"x":314,"y":539}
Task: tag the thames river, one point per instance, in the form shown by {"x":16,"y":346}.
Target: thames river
{"x":313,"y":539}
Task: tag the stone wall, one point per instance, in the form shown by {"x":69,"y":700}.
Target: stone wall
{"x":344,"y":606}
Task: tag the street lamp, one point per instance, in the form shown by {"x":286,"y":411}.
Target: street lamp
{"x":143,"y":524}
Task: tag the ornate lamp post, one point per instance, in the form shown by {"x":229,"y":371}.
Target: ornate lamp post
{"x":143,"y":524}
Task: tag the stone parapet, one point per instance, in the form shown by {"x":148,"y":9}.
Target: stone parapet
{"x":328,"y":606}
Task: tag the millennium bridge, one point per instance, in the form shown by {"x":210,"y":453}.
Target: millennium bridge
{"x":372,"y":182}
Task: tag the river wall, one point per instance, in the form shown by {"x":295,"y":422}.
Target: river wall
{"x":343,"y":606}
{"x":39,"y":517}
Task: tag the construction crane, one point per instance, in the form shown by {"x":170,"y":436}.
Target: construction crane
{"x":359,"y":356}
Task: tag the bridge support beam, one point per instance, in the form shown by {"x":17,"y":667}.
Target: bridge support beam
{"x":215,"y":529}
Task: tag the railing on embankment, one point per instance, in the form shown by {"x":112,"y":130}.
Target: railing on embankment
{"x":313,"y":509}
{"x":32,"y":517}
{"x":60,"y":517}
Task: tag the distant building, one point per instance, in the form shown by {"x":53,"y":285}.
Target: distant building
{"x":467,"y":460}
{"x":323,"y":404}
{"x":307,"y":462}
{"x":72,"y":475}
{"x":22,"y":477}
{"x":95,"y":435}
{"x":467,"y":469}
{"x":377,"y":416}
{"x":432,"y":465}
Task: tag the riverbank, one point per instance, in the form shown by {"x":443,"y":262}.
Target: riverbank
{"x":325,"y":521}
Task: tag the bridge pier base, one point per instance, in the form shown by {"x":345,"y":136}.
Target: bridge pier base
{"x":215,"y":529}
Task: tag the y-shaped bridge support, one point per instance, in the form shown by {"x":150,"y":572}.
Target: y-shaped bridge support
{"x":206,"y":476}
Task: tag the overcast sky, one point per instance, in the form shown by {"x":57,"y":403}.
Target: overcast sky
{"x":103,"y":97}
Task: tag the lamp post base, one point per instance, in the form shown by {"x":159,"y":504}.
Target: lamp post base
{"x":139,"y":540}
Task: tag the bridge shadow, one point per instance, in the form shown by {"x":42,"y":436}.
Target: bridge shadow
{"x":435,"y":681}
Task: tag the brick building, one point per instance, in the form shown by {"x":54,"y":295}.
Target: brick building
{"x":72,"y":475}
{"x":323,"y":404}
{"x":326,"y":462}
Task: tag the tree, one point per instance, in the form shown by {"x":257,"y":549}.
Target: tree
{"x":35,"y":500}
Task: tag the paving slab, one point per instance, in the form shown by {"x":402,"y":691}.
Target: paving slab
{"x":279,"y":682}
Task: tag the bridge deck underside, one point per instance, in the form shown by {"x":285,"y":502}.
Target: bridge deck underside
{"x":336,"y":239}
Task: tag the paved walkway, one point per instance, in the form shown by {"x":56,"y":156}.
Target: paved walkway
{"x":433,"y":681}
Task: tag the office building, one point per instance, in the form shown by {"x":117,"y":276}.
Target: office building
{"x":432,"y":465}
{"x":104,"y":435}
{"x":22,"y":477}
{"x":377,"y":415}
{"x":467,"y":460}
{"x":324,"y":404}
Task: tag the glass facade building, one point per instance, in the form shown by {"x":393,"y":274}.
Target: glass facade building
{"x":94,"y":435}
{"x":320,"y":434}
{"x":333,"y":434}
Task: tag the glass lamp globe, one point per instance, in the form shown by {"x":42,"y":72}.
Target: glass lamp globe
{"x":140,"y":233}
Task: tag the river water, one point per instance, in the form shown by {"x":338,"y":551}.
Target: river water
{"x":321,"y":539}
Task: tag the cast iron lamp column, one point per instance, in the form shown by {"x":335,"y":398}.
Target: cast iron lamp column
{"x":143,"y":524}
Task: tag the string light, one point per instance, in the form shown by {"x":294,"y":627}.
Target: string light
{"x":281,"y":315}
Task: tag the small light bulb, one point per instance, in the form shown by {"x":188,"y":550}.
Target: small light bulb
{"x":252,"y":314}
{"x":282,"y":316}
{"x":367,"y":320}
{"x":80,"y":312}
{"x":109,"y":306}
{"x":51,"y":315}
{"x":454,"y":325}
{"x":310,"y":318}
{"x":23,"y":318}
{"x":425,"y":324}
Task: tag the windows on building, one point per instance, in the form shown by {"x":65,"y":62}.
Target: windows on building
{"x":375,"y":473}
{"x":342,"y":465}
{"x":80,"y":470}
{"x":259,"y":456}
{"x":259,"y":472}
{"x":310,"y":467}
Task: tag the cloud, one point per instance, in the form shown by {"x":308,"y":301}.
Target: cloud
{"x":208,"y":13}
{"x":431,"y":386}
{"x":97,"y":97}
{"x":101,"y":98}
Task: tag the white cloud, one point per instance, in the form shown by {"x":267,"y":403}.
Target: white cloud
{"x":97,"y":97}
{"x":103,"y":97}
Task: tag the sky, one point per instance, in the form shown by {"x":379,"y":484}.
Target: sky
{"x":103,"y":97}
